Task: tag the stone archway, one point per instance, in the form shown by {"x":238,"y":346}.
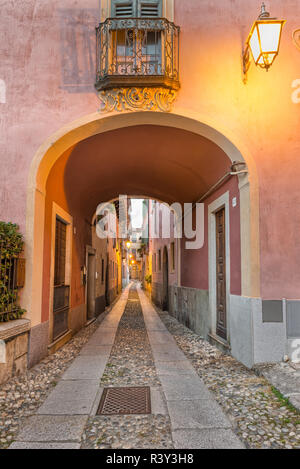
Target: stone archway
{"x":67,"y":138}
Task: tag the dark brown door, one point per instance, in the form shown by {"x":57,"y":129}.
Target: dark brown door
{"x":221,"y":274}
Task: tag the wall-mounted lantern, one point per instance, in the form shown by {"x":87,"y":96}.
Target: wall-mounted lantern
{"x":263,"y":41}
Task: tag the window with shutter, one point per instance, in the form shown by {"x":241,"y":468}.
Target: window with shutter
{"x":137,"y":8}
{"x":149,"y":8}
{"x":123,"y":8}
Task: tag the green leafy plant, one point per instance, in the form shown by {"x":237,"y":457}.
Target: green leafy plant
{"x":11,"y":245}
{"x":148,"y":279}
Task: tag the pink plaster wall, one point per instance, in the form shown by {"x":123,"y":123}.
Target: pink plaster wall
{"x":44,"y":93}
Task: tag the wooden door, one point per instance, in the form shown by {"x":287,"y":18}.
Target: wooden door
{"x":221,"y":274}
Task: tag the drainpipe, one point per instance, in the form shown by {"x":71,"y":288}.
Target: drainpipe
{"x":232,"y":172}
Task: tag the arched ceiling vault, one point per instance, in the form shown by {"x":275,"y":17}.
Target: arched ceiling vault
{"x":163,"y":163}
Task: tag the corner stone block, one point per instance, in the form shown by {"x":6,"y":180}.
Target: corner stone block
{"x":2,"y":352}
{"x":21,"y":345}
{"x":20,"y":364}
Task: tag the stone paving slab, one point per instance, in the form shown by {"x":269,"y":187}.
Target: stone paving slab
{"x":104,"y":331}
{"x":95,"y":351}
{"x":178,"y":367}
{"x":155,"y":325}
{"x":167,"y":355}
{"x":295,"y":401}
{"x":178,"y":387}
{"x":206,"y":439}
{"x":106,"y":337}
{"x":52,"y":428}
{"x":85,"y":367}
{"x":49,"y":445}
{"x":161,"y":338}
{"x":193,"y":414}
{"x":66,"y":407}
{"x":71,"y":398}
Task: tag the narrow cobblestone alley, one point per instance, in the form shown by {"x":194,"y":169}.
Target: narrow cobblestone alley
{"x":200,"y":398}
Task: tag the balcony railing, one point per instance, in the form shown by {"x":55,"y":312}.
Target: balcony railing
{"x":140,"y":52}
{"x":12,"y":277}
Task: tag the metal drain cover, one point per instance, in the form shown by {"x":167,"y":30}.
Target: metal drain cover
{"x":125,"y":401}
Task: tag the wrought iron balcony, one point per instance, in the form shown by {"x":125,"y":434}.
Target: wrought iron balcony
{"x":137,"y":52}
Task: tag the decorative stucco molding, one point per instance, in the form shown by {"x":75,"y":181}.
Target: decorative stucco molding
{"x":137,"y":99}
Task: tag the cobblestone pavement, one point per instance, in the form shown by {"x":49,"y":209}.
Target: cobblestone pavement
{"x":260,"y":418}
{"x":22,"y":395}
{"x":130,"y":364}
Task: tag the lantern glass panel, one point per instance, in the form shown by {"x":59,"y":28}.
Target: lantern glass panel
{"x":254,"y":45}
{"x":269,"y":36}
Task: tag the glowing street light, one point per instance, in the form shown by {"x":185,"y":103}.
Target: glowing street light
{"x":263,"y":41}
{"x":128,"y":244}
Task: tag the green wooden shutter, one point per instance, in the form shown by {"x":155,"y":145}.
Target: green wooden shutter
{"x":149,"y":8}
{"x":136,"y":8}
{"x":123,"y":8}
